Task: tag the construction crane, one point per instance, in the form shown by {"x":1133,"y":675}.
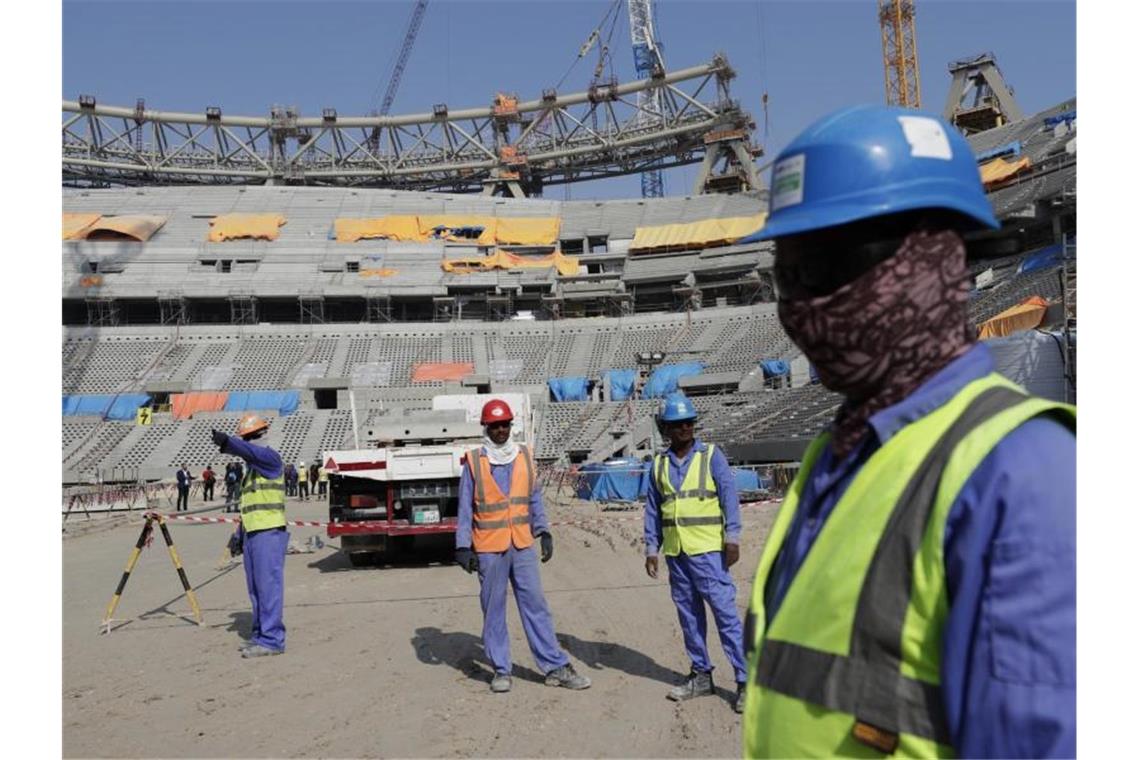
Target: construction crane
{"x":646,"y":58}
{"x":900,"y":53}
{"x":398,"y":70}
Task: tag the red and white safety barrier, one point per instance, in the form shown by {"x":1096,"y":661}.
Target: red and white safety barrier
{"x":364,"y":525}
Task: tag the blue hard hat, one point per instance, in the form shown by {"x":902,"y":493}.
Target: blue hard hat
{"x":676,"y":408}
{"x":866,"y":161}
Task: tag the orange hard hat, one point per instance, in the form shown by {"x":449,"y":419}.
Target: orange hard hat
{"x":496,"y":411}
{"x":251,"y":423}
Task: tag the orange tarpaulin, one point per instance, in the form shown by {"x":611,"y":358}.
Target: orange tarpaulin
{"x":378,"y":272}
{"x":426,"y":372}
{"x":566,"y":265}
{"x":495,"y":230}
{"x":700,"y":234}
{"x":186,"y":405}
{"x":232,"y":226}
{"x":75,"y":224}
{"x":389,"y":227}
{"x":1000,"y":169}
{"x":1025,"y":316}
{"x":138,"y":227}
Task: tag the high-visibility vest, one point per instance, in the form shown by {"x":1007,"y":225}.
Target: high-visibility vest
{"x":691,"y":519}
{"x":262,"y":501}
{"x":322,"y":476}
{"x":303,"y":475}
{"x":498,"y":519}
{"x":850,"y":664}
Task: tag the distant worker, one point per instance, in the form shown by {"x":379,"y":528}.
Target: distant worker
{"x":184,"y":480}
{"x":500,"y":515}
{"x":322,"y":481}
{"x":232,"y":484}
{"x":692,"y":514}
{"x":303,"y":481}
{"x":290,"y":480}
{"x":208,"y":478}
{"x":313,"y":476}
{"x":264,"y":539}
{"x":917,"y":593}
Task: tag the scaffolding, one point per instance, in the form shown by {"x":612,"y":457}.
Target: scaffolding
{"x":172,"y":308}
{"x":311,"y":307}
{"x":102,"y":311}
{"x":243,"y":307}
{"x":500,"y":306}
{"x":445,"y":309}
{"x":377,"y":306}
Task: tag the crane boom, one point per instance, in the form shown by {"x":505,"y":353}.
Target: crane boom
{"x":405,"y":51}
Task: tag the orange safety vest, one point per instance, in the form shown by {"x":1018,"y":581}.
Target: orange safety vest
{"x":500,"y":520}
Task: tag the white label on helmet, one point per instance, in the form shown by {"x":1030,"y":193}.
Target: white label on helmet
{"x":926,"y":136}
{"x":788,"y":182}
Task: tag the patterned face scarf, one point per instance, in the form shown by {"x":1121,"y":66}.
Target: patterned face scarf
{"x":878,"y":337}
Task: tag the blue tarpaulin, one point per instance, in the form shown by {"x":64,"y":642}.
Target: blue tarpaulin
{"x":775,"y":367}
{"x":750,"y":480}
{"x":621,"y":383}
{"x":1046,"y":257}
{"x":1010,"y":149}
{"x":568,"y":388}
{"x":664,"y":379}
{"x":283,"y":402}
{"x":107,"y":405}
{"x":615,"y":480}
{"x":1052,"y":121}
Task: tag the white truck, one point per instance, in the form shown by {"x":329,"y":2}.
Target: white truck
{"x":401,"y":492}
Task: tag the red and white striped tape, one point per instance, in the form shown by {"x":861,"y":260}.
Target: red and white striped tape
{"x":382,"y":524}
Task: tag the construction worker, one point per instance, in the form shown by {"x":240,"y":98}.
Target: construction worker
{"x":692,"y":514}
{"x":917,"y":592}
{"x":208,"y":478}
{"x":322,"y":481}
{"x":262,"y":531}
{"x":303,"y":480}
{"x":500,"y":516}
{"x":184,"y":479}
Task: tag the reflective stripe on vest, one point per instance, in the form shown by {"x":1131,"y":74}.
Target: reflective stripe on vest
{"x":498,"y":519}
{"x":691,"y":518}
{"x":262,"y":501}
{"x":859,"y":631}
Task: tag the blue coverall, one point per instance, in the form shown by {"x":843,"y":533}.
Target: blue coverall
{"x":696,"y":579}
{"x":263,"y":554}
{"x":1009,"y":664}
{"x":520,"y":567}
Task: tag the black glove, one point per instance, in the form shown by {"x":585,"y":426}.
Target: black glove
{"x":547,"y":543}
{"x":467,"y":559}
{"x":220,"y":438}
{"x":235,"y":544}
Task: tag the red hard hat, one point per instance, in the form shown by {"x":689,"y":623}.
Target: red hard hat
{"x":496,"y":411}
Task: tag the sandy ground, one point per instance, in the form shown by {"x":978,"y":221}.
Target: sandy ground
{"x":380,"y":661}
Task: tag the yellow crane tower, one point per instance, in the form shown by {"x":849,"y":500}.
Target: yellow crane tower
{"x":900,"y":53}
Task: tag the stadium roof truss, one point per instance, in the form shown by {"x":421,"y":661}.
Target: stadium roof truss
{"x":601,"y":132}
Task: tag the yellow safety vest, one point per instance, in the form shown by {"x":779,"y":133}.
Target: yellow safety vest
{"x":691,"y":519}
{"x":262,"y":501}
{"x":850,"y":664}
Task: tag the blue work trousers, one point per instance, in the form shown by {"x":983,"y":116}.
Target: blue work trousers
{"x":700,"y":578}
{"x":520,"y":567}
{"x":264,"y":554}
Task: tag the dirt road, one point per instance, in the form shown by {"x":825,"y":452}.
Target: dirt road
{"x":381,"y":661}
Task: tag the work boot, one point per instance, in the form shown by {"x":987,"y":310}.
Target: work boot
{"x":256,"y":650}
{"x":568,"y":677}
{"x":696,"y":684}
{"x":245,"y":645}
{"x":738,"y":703}
{"x":501,"y":683}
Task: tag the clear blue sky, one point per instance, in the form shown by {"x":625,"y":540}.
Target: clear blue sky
{"x":810,"y":56}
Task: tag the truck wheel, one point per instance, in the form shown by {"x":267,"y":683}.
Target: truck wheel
{"x":362,"y":559}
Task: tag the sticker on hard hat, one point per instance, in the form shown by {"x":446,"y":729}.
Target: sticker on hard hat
{"x":497,"y":412}
{"x":788,"y":182}
{"x":926,"y":136}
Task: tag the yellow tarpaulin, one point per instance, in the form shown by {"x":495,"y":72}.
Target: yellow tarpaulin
{"x":75,"y":224}
{"x":378,"y":272}
{"x":566,"y":265}
{"x":1025,"y":316}
{"x":495,"y":230}
{"x":700,"y":234}
{"x":232,"y":226}
{"x":999,"y":169}
{"x":389,"y":227}
{"x":138,"y":227}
